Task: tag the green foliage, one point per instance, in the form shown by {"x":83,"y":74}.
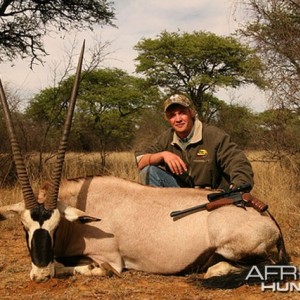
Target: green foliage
{"x":197,"y":63}
{"x":210,"y":107}
{"x":47,"y":106}
{"x":280,"y":129}
{"x":107,"y":111}
{"x":239,"y":122}
{"x":109,"y":103}
{"x":151,"y":123}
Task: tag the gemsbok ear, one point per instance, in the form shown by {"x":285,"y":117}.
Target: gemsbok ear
{"x":10,"y":211}
{"x":73,"y":214}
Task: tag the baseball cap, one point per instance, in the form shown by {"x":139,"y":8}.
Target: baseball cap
{"x":177,"y":99}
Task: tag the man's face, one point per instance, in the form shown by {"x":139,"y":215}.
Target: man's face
{"x":181,"y":119}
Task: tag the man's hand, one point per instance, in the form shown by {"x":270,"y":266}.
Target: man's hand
{"x":174,"y":162}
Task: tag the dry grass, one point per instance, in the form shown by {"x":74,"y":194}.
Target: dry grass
{"x":277,"y":187}
{"x":121,"y":164}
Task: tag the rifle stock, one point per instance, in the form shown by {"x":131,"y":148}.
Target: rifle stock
{"x":254,"y":202}
{"x":219,"y":203}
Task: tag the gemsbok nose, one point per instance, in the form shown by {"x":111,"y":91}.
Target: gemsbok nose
{"x":38,"y":279}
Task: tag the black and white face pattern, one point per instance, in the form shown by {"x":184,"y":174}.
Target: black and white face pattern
{"x":40,"y":225}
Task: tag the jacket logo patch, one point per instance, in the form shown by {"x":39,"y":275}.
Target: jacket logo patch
{"x":202,"y":153}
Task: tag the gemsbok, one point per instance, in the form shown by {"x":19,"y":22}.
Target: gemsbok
{"x":119,"y":224}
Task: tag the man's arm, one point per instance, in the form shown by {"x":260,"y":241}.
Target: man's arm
{"x":235,"y":163}
{"x":174,"y":162}
{"x":150,"y":159}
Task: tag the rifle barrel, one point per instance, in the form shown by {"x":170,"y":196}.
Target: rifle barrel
{"x":177,"y":213}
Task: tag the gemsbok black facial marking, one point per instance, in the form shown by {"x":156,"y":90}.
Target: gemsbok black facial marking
{"x":41,"y":251}
{"x":39,"y":226}
{"x":40,"y":214}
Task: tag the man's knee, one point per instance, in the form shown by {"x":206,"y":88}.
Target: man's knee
{"x":147,"y":174}
{"x":155,"y":176}
{"x":144,"y":175}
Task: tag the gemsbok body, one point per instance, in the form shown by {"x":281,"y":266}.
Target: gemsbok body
{"x":119,"y":224}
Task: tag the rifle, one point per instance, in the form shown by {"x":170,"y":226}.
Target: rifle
{"x":239,"y":196}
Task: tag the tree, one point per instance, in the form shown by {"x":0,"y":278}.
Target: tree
{"x":25,"y":23}
{"x":239,"y":122}
{"x":15,"y":103}
{"x":7,"y":170}
{"x":273,"y":30}
{"x":107,"y":110}
{"x":197,"y":64}
{"x":109,"y":105}
{"x":278,"y":132}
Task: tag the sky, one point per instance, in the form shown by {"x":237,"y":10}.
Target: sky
{"x":135,"y":19}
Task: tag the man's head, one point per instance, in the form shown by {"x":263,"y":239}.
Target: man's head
{"x":180,"y":113}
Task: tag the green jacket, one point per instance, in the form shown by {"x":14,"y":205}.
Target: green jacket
{"x":213,"y":160}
